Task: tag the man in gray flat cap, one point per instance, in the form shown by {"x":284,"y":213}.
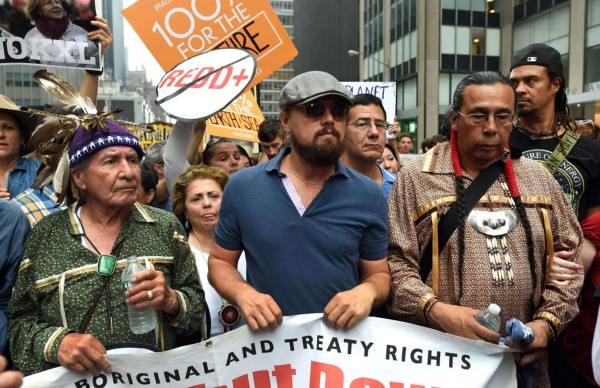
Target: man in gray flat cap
{"x":314,"y":231}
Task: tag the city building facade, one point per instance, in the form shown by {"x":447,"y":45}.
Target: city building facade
{"x":427,"y":47}
{"x":270,"y":88}
{"x":325,"y":32}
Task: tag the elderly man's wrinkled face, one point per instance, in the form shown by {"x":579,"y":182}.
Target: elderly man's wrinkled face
{"x":112,"y":179}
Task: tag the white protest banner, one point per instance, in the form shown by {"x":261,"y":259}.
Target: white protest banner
{"x":206,"y":83}
{"x":305,"y":353}
{"x":384,"y":90}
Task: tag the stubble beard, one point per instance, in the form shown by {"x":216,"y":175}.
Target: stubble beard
{"x":524,"y":112}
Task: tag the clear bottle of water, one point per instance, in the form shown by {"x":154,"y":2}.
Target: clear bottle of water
{"x":490,"y":317}
{"x":140,"y":320}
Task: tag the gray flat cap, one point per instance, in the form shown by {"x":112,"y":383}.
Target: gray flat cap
{"x":310,"y":86}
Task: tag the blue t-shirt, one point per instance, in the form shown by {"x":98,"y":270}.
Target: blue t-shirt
{"x":388,"y":180}
{"x":13,"y":232}
{"x":303,"y":261}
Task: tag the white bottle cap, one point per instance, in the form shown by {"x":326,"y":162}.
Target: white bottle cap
{"x":494,"y":308}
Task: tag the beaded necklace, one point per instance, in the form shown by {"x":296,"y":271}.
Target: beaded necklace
{"x":536,"y":135}
{"x":496,"y":245}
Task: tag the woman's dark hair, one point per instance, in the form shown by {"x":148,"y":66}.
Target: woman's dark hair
{"x":243,"y":152}
{"x":392,"y":150}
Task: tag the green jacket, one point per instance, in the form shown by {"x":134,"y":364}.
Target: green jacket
{"x":56,"y":267}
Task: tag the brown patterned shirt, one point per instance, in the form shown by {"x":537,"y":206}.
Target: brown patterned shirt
{"x":425,"y":186}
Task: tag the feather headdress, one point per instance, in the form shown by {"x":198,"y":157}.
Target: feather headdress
{"x":50,"y":141}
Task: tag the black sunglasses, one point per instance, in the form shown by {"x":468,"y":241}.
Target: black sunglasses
{"x":315,"y":110}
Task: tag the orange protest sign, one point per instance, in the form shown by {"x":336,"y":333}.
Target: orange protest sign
{"x":174,"y":30}
{"x":240,"y":120}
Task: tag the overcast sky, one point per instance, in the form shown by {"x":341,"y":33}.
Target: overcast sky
{"x":138,"y":53}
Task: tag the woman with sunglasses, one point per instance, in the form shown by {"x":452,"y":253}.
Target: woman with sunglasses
{"x":196,"y":202}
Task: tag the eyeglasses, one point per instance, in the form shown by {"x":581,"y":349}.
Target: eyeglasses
{"x":501,"y":119}
{"x":315,"y":110}
{"x":365,"y":125}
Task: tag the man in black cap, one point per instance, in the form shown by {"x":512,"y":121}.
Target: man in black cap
{"x":545,"y":132}
{"x":314,"y":232}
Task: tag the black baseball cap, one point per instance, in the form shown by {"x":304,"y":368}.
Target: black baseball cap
{"x":538,"y":54}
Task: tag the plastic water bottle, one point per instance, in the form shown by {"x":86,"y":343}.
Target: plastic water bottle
{"x":140,"y":320}
{"x":490,"y":317}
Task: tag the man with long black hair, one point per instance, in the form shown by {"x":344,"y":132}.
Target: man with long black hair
{"x":496,"y":220}
{"x":544,"y":132}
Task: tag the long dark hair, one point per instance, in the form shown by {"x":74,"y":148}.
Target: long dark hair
{"x":487,"y":78}
{"x":561,"y":108}
{"x":481,"y":78}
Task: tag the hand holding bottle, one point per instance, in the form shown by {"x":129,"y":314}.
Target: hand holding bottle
{"x":490,"y":317}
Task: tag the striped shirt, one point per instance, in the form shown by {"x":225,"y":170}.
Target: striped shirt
{"x":37,"y":203}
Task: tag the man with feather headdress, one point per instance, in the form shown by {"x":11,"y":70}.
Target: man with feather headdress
{"x":68,"y":303}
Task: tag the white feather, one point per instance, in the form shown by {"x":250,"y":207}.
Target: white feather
{"x":61,"y":170}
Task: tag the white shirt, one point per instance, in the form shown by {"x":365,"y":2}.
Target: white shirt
{"x":596,"y":351}
{"x":213,"y":299}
